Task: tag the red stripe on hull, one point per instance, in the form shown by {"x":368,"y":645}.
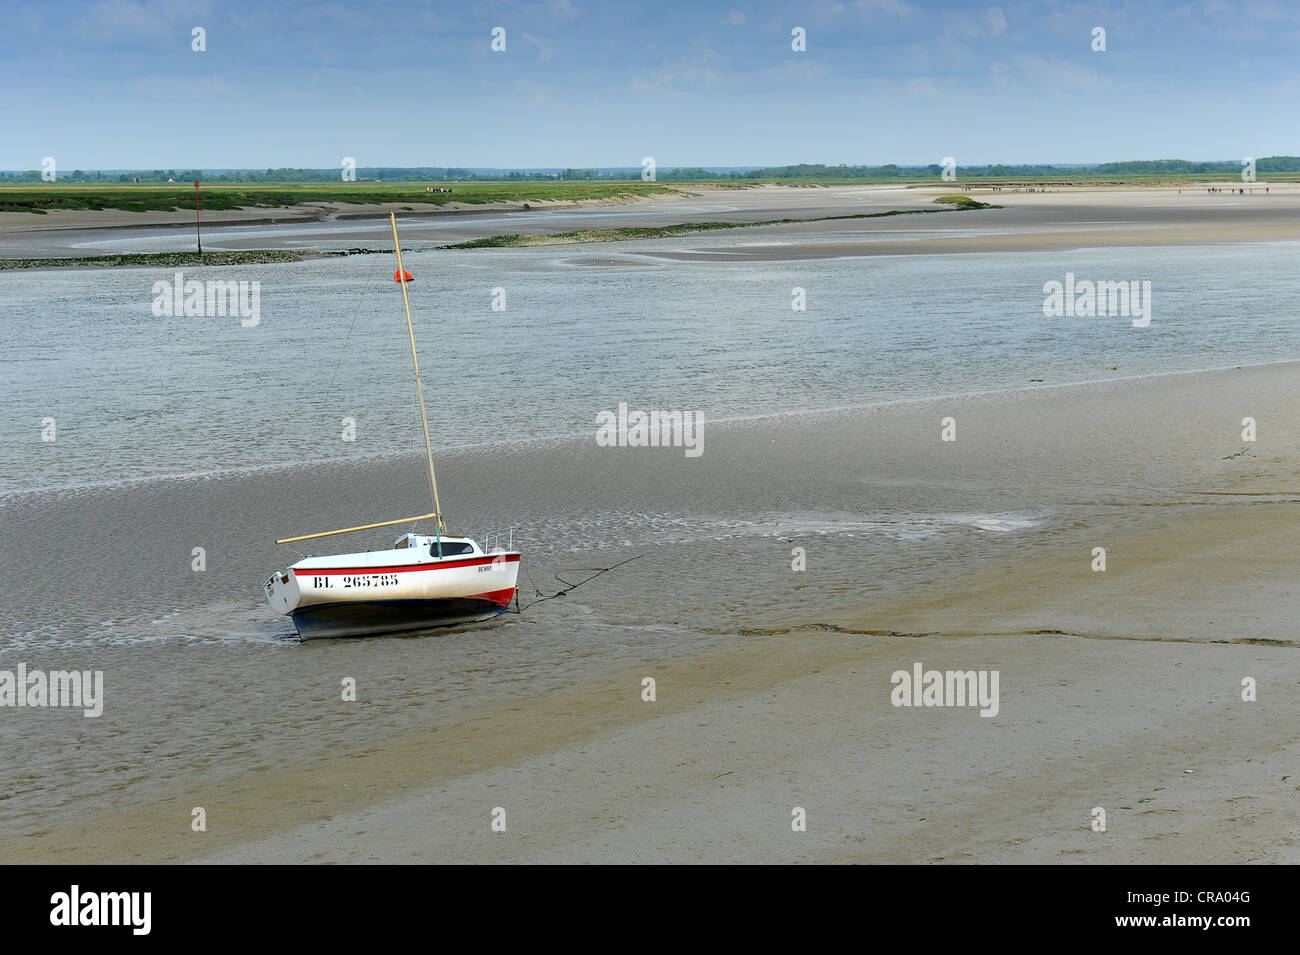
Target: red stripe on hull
{"x":402,"y":568}
{"x":501,"y":598}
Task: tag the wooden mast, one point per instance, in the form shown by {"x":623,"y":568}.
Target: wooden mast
{"x":419,"y":388}
{"x":424,"y":419}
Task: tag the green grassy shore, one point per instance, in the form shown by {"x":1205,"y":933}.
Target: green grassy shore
{"x":170,"y":259}
{"x":40,"y":198}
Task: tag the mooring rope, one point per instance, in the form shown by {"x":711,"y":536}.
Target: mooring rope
{"x":596,"y":572}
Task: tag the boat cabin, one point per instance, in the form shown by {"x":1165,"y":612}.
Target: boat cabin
{"x":439,"y":547}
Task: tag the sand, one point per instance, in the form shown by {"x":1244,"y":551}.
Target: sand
{"x":1120,"y":689}
{"x":82,"y":219}
{"x":1069,"y":218}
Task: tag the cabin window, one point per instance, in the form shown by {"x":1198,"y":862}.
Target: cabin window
{"x":450,"y":548}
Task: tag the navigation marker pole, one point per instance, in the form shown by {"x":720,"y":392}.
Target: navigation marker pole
{"x":197,"y":234}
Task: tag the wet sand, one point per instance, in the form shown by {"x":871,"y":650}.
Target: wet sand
{"x":81,"y":220}
{"x":1119,"y":689}
{"x":1073,"y":217}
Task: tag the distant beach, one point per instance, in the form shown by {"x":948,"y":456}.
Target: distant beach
{"x":1062,"y":218}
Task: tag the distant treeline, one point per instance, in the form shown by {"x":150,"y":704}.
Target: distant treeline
{"x":1137,"y":167}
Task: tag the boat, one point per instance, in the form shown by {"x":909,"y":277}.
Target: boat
{"x":423,"y":581}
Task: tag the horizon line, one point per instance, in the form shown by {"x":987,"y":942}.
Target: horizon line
{"x":746,"y":167}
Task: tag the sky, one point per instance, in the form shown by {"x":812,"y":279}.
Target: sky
{"x":116,"y":84}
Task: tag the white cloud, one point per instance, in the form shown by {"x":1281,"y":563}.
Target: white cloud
{"x":895,"y":8}
{"x":694,"y":66}
{"x":537,"y":94}
{"x":180,"y":86}
{"x":545,"y":47}
{"x":972,"y":27}
{"x":1064,"y":74}
{"x":961,"y":26}
{"x":151,"y":19}
{"x":734,"y":18}
{"x":1266,"y":10}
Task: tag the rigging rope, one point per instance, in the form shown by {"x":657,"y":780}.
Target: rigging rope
{"x":361,"y":300}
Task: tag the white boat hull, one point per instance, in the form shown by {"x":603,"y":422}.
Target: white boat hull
{"x":353,"y":595}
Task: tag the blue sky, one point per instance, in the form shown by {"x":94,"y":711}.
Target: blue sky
{"x":114,"y":83}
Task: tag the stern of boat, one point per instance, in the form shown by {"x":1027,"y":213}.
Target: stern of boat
{"x":282,"y":591}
